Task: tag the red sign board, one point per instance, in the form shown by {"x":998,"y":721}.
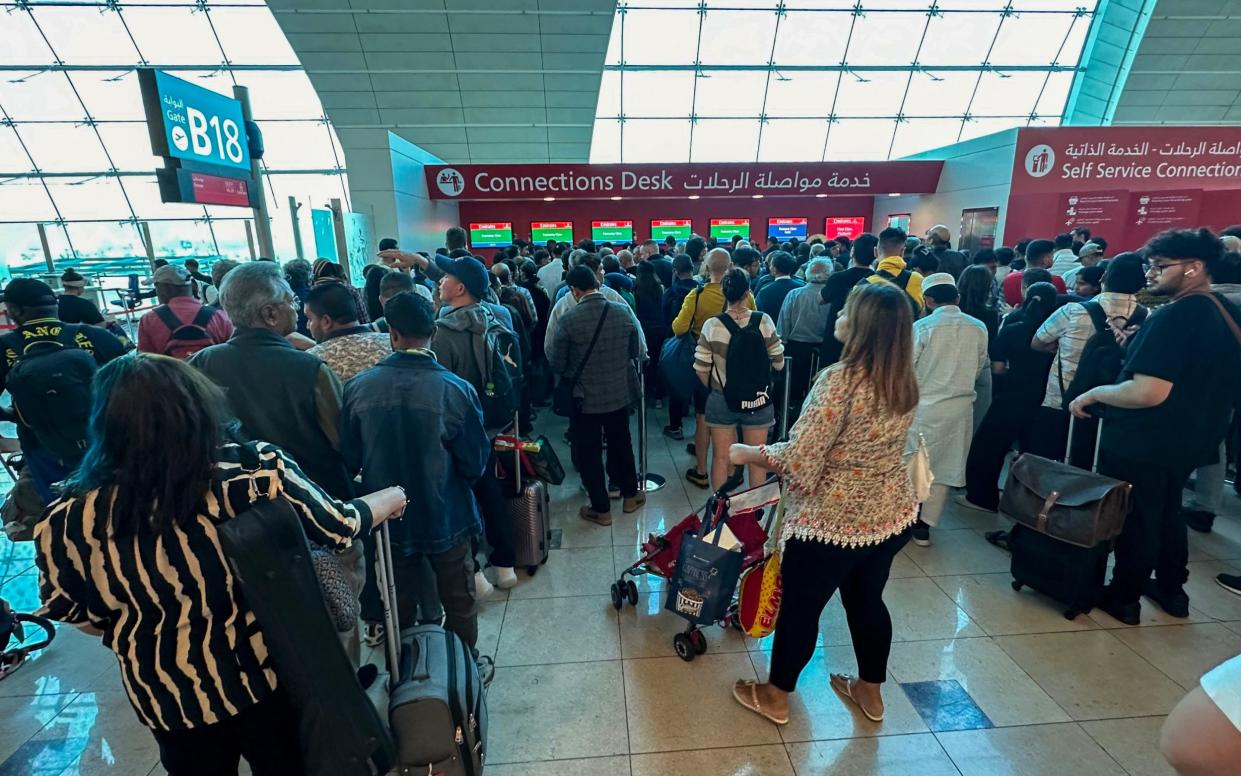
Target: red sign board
{"x":218,"y":190}
{"x":671,"y":222}
{"x":611,"y":224}
{"x":1129,"y":158}
{"x":586,"y":181}
{"x":848,"y":226}
{"x":551,"y":225}
{"x":492,"y":225}
{"x":1151,"y":212}
{"x":1102,"y":212}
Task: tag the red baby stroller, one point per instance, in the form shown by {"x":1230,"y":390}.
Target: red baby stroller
{"x":743,"y":514}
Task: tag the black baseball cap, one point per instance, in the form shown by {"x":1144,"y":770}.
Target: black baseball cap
{"x":28,"y":292}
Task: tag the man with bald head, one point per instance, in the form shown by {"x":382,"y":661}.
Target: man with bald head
{"x":939,"y":239}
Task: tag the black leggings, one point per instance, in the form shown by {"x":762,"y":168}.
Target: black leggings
{"x":265,"y":734}
{"x":812,"y":571}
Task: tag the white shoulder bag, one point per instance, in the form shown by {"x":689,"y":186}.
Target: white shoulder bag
{"x":920,"y":474}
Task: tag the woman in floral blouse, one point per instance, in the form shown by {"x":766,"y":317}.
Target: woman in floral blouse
{"x":849,"y":505}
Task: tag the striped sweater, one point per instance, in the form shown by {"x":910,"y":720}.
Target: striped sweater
{"x":711,"y":355}
{"x":190,"y":650}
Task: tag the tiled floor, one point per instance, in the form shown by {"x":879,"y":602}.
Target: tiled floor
{"x":982,"y":680}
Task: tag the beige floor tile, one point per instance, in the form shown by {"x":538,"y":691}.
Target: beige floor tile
{"x":998,"y":685}
{"x":647,"y":630}
{"x":24,"y":716}
{"x":817,"y":712}
{"x":961,"y":517}
{"x":1151,"y":615}
{"x":1039,"y":750}
{"x":633,"y":529}
{"x":1208,"y":597}
{"x":919,"y":611}
{"x":1183,"y":652}
{"x":585,"y":571}
{"x":556,"y":712}
{"x":674,"y":705}
{"x":107,"y":731}
{"x":595,"y":766}
{"x":541,"y":631}
{"x":912,"y":755}
{"x":1093,"y":675}
{"x":904,"y":567}
{"x":961,"y":551}
{"x":1134,"y":743}
{"x":75,"y":662}
{"x":1223,"y":543}
{"x":1235,"y":627}
{"x":990,"y":601}
{"x":490,"y":619}
{"x":744,"y":761}
{"x":576,"y":533}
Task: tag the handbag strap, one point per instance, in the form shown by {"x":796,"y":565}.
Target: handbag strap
{"x":1229,"y":321}
{"x":591,"y":347}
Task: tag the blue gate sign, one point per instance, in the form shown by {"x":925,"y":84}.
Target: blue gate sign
{"x":190,"y":122}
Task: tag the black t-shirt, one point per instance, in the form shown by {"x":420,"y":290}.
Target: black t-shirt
{"x":1025,"y":382}
{"x":75,"y":309}
{"x":1188,"y":344}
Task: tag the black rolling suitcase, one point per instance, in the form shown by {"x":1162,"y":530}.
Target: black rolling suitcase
{"x":339,"y":730}
{"x":437,"y":706}
{"x":1065,"y":521}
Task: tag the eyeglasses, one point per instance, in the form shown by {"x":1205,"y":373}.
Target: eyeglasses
{"x":1158,"y":268}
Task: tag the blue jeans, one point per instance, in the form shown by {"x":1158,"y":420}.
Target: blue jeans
{"x":45,"y":470}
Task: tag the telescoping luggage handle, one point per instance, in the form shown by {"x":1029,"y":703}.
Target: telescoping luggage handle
{"x":1068,"y":446}
{"x":387,"y":592}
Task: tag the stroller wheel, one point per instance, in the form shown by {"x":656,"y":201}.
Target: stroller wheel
{"x":631,"y":589}
{"x":617,"y":600}
{"x":684,"y":647}
{"x":698,"y":641}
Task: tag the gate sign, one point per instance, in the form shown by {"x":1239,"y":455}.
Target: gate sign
{"x":189,"y":122}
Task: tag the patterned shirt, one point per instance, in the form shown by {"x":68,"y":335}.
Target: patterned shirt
{"x":847,"y":480}
{"x":349,"y":352}
{"x":1071,"y":327}
{"x":190,"y":650}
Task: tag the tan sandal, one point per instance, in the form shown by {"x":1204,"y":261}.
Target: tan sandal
{"x":840,"y":683}
{"x":750,"y":700}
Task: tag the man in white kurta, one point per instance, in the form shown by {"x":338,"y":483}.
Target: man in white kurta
{"x":950,"y":359}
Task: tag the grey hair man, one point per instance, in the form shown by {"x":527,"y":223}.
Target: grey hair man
{"x":802,"y":324}
{"x":280,"y":394}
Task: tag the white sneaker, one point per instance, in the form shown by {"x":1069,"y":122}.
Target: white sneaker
{"x":506,"y":578}
{"x":482,"y":588}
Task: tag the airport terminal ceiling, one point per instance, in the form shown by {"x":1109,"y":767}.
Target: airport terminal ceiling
{"x":74,"y":149}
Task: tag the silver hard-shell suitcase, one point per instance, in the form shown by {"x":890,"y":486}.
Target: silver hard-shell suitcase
{"x":529,"y":513}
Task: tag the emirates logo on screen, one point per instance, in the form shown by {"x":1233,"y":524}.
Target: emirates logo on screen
{"x":1039,"y":160}
{"x":450,"y":182}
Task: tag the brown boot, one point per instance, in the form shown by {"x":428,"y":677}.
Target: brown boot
{"x":598,"y":518}
{"x":633,"y":503}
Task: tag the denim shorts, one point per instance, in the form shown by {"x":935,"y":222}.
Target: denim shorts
{"x":720,"y":416}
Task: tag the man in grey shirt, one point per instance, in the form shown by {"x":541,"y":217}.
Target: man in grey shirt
{"x":605,"y":389}
{"x":801,"y":325}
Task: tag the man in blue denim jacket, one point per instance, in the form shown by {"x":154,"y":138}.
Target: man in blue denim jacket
{"x":409,"y":421}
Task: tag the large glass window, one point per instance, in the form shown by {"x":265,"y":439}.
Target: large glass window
{"x":75,"y":155}
{"x":831,"y":79}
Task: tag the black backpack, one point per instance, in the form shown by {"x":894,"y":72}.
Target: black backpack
{"x":500,"y":368}
{"x":1104,"y":354}
{"x":902,"y":282}
{"x":187,"y":338}
{"x":51,"y":388}
{"x":747,"y":384}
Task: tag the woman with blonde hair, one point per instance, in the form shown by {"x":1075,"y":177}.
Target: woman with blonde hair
{"x":849,"y":503}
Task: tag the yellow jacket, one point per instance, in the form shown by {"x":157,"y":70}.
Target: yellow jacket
{"x":710,"y":303}
{"x":895,"y":265}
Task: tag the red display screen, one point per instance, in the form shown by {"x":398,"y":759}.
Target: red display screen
{"x":849,"y":226}
{"x":218,"y":190}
